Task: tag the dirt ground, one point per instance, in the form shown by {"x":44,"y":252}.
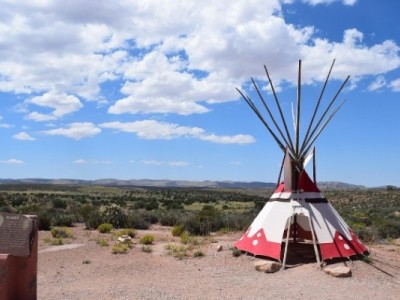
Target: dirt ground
{"x":82,"y":269}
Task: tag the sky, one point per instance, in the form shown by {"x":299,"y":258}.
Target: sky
{"x":148,"y":89}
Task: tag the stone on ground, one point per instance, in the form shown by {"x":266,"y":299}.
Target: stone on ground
{"x":266,"y":266}
{"x":338,"y":271}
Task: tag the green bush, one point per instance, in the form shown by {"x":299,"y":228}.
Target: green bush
{"x":44,"y":222}
{"x":126,"y":231}
{"x":147,"y":239}
{"x":185,"y":237}
{"x":63,"y":220}
{"x":114,"y":215}
{"x":176,"y":251}
{"x":61,"y":232}
{"x":198,"y":254}
{"x":105,"y":228}
{"x":236,"y":252}
{"x":102,"y":242}
{"x":136,"y":220}
{"x":177,"y":230}
{"x":119,"y":249}
{"x":57,"y":241}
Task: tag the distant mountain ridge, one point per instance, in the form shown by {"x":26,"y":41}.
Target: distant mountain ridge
{"x":172,"y":183}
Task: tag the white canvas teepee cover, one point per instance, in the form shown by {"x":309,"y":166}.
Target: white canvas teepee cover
{"x":265,"y":235}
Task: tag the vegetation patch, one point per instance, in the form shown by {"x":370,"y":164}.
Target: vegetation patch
{"x":105,"y":228}
{"x":147,"y":239}
{"x":119,"y":249}
{"x":177,"y":251}
{"x":61,"y":232}
{"x":102,"y":242}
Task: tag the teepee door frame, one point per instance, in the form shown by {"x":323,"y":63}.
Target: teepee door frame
{"x":314,"y":240}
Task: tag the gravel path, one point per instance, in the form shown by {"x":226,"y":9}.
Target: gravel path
{"x":89,"y":271}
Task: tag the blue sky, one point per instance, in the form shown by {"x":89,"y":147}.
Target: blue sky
{"x":146,"y":89}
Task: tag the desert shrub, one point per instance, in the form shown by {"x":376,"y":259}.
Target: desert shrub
{"x":236,"y":252}
{"x":168,"y":219}
{"x":102,"y":242}
{"x":105,"y":228}
{"x":61,"y":232}
{"x":44,"y":220}
{"x":93,"y":220}
{"x":126,"y":231}
{"x":150,"y":217}
{"x":59,"y":203}
{"x":177,"y":230}
{"x":119,"y":249}
{"x":135,"y":220}
{"x":6,"y":209}
{"x":114,"y":215}
{"x":63,"y":220}
{"x":176,"y":251}
{"x":185,"y":237}
{"x":57,"y":241}
{"x":147,"y":249}
{"x":127,"y":242}
{"x":198,"y":254}
{"x":86,"y":261}
{"x":147,"y":239}
{"x":85,"y":212}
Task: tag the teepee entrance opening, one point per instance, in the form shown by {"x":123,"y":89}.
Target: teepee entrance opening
{"x":299,"y":244}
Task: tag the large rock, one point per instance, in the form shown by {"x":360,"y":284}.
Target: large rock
{"x":266,"y":266}
{"x":338,"y":271}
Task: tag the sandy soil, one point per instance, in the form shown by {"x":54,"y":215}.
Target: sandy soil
{"x":81,"y":269}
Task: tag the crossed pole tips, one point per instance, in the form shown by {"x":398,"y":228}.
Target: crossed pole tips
{"x":297,"y":147}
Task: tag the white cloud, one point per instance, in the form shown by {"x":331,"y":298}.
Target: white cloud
{"x":173,"y":65}
{"x":75,"y":131}
{"x":61,"y":104}
{"x":5,"y":125}
{"x":377,"y":84}
{"x":23,"y":136}
{"x":12,"y":161}
{"x":80,"y":161}
{"x":395,"y":85}
{"x":151,"y":129}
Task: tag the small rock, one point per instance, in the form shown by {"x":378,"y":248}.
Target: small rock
{"x":338,"y":271}
{"x":124,"y":238}
{"x":266,"y":266}
{"x":220,"y":248}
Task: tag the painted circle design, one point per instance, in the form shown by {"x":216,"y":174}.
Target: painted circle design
{"x":255,"y":242}
{"x":347,"y":247}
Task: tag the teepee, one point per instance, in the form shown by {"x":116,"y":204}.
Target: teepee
{"x":297,"y":211}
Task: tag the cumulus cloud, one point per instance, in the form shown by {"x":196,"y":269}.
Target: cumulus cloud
{"x":12,"y":161}
{"x":151,"y":129}
{"x":75,"y":131}
{"x":175,"y":65}
{"x":23,"y":136}
{"x":60,"y":104}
